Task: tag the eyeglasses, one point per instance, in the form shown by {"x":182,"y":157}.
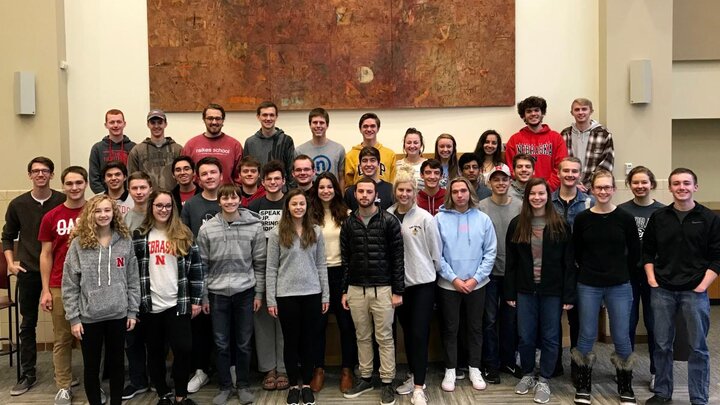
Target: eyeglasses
{"x":38,"y":171}
{"x":211,"y":119}
{"x":161,"y":207}
{"x":183,"y":169}
{"x":603,"y":188}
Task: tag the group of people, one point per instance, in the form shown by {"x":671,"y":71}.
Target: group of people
{"x":204,"y":248}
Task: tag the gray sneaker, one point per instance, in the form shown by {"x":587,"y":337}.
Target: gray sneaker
{"x":387,"y":395}
{"x":542,"y":393}
{"x":222,"y":397}
{"x":245,"y":396}
{"x":63,"y":397}
{"x":23,"y":385}
{"x":360,"y":387}
{"x":525,"y":385}
{"x":408,"y":386}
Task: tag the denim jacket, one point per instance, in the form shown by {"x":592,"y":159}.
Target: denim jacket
{"x":581,"y":202}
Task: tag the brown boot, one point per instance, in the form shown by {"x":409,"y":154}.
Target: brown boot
{"x":318,"y":380}
{"x":346,"y":380}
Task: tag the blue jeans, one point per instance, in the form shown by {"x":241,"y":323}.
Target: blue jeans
{"x":499,"y":327}
{"x":641,"y":292}
{"x":695,"y":308}
{"x":618,"y":300}
{"x":541,"y":312}
{"x":236,"y":312}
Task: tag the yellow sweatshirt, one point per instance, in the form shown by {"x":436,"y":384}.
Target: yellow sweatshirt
{"x":352,"y":164}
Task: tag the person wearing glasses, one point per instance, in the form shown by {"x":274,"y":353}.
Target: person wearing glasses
{"x":270,"y":142}
{"x":22,"y":222}
{"x":303,"y":172}
{"x":607,"y":251}
{"x":183,"y":169}
{"x":171,"y":279}
{"x":215,"y":143}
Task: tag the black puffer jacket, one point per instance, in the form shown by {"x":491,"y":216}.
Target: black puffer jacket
{"x":372,"y":256}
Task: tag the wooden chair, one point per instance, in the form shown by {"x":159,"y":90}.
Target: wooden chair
{"x":8,"y":302}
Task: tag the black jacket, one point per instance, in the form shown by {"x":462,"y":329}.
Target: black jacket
{"x":558,"y":277}
{"x":372,"y":256}
{"x":176,"y":196}
{"x":682,"y":252}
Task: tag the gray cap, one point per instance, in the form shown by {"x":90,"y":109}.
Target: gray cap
{"x":156,"y":114}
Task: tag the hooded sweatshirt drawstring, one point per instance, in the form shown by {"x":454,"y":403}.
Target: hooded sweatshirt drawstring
{"x":108,"y":264}
{"x":109,"y":256}
{"x":98,"y":269}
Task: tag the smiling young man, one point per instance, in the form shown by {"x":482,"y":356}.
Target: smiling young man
{"x":270,"y":142}
{"x":373,"y":260}
{"x":197,"y":211}
{"x":114,"y":146}
{"x":115,"y":175}
{"x":569,"y":201}
{"x":183,"y":169}
{"x":589,"y":141}
{"x":499,"y":320}
{"x":681,"y":255}
{"x":327,"y":155}
{"x":156,"y":153}
{"x":537,"y":140}
{"x":370,"y":167}
{"x":235,"y":284}
{"x":303,"y":171}
{"x":54,"y":234}
{"x":22,"y":222}
{"x":523,"y":170}
{"x":248,"y":175}
{"x":140,"y":185}
{"x":432,"y":196}
{"x":369,"y":127}
{"x":215,"y":143}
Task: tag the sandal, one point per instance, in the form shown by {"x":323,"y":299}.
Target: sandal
{"x":282,"y":381}
{"x":270,"y":381}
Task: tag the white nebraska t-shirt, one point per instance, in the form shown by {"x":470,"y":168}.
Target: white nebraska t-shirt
{"x":163,"y":272}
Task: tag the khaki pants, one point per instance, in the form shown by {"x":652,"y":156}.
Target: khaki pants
{"x":371,"y":308}
{"x":62,"y":346}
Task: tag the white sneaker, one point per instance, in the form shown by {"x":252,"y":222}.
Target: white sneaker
{"x":233,"y":375}
{"x":476,"y":379}
{"x":103,"y":397}
{"x":448,"y":382}
{"x":63,"y":397}
{"x":419,"y":397}
{"x":408,"y":386}
{"x":197,"y":381}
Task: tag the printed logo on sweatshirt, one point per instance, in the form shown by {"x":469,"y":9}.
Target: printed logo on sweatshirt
{"x":322,"y":164}
{"x":543,"y":149}
{"x":415,"y":229}
{"x":120,"y":262}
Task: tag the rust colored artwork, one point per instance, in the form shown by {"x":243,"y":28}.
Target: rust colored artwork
{"x":339,"y":54}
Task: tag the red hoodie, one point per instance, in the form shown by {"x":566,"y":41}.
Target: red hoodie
{"x":546,"y":146}
{"x":431,"y":203}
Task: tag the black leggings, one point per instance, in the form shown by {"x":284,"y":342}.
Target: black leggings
{"x":112,"y":334}
{"x":299,"y":318}
{"x":161,"y":329}
{"x":415,"y":314}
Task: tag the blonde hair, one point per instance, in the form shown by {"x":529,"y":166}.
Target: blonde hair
{"x":86,"y":229}
{"x":405,"y":174}
{"x":474,"y":200}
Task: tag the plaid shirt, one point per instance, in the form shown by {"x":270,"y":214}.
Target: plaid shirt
{"x":600,"y":153}
{"x":191,"y":276}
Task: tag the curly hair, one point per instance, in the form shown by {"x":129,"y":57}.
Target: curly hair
{"x":86,"y":229}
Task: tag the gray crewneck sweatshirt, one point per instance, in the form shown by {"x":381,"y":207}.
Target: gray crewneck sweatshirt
{"x":295,"y":271}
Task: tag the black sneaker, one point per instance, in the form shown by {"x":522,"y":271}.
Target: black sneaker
{"x":130,"y":391}
{"x":361,"y":386}
{"x":491,"y":376}
{"x":23,"y":385}
{"x":657,"y":400}
{"x":513,"y":370}
{"x":186,"y":401}
{"x":293,"y":397}
{"x":387,"y":396}
{"x":308,"y":397}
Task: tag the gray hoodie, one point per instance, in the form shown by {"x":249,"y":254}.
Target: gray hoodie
{"x":101,"y":284}
{"x":233,"y":254}
{"x":279,"y":146}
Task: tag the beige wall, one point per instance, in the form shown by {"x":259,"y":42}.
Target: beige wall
{"x":695,"y":89}
{"x":34,"y":37}
{"x":107,"y":54}
{"x":695,"y":145}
